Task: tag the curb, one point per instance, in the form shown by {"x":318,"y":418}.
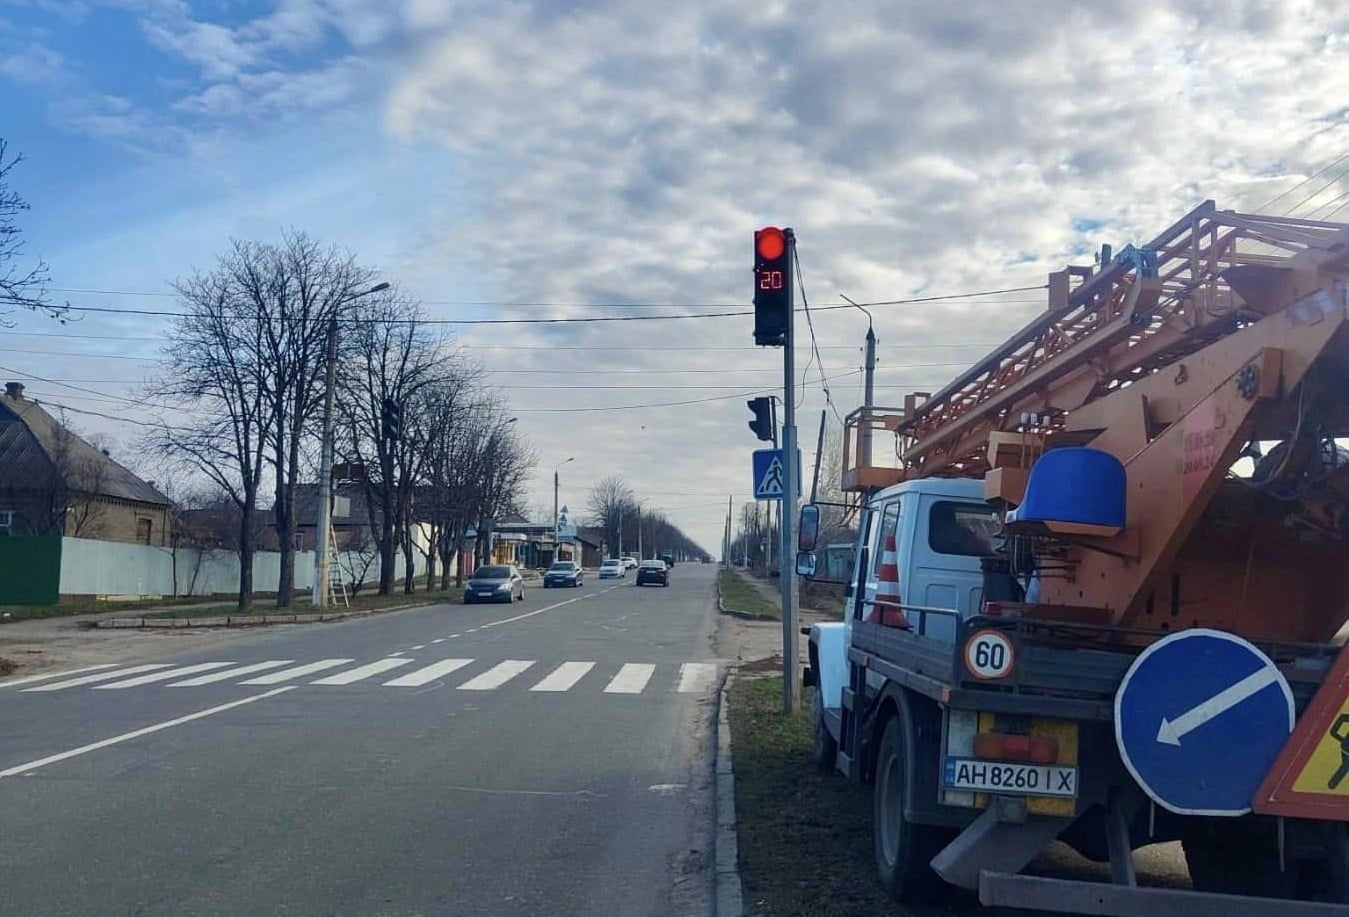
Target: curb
{"x":250,"y":620}
{"x":728,"y":900}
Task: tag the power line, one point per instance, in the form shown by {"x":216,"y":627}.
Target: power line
{"x":1280,"y":196}
{"x":814,"y":345}
{"x":659,"y":404}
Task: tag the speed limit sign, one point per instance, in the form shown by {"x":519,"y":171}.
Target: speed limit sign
{"x":989,"y":655}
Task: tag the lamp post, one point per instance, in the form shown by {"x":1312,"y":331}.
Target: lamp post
{"x":556,"y":542}
{"x":319,"y":594}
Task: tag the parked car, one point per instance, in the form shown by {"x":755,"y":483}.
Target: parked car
{"x":495,"y":583}
{"x":613,"y":569}
{"x":563,"y":573}
{"x":654,"y":572}
{"x":629,"y":562}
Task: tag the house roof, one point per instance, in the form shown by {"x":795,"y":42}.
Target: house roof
{"x":31,"y":440}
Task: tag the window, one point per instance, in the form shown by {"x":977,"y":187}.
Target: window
{"x":144,"y":529}
{"x":887,"y":530}
{"x":966,"y":529}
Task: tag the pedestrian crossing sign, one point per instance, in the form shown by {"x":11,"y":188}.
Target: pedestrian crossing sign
{"x":1310,"y":777}
{"x":770,"y":474}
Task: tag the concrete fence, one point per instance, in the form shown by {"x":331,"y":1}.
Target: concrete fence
{"x":91,"y":567}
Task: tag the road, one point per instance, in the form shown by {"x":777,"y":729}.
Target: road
{"x":545,"y":757}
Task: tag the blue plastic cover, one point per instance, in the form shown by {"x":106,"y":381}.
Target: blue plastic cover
{"x":1075,"y":484}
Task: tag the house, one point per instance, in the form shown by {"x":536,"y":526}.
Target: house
{"x":594,"y":548}
{"x":54,"y":482}
{"x":353,"y":524}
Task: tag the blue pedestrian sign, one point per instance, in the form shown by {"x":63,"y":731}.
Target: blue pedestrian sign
{"x":770,"y":474}
{"x":1199,"y":719}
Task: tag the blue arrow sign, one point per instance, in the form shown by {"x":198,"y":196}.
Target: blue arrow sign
{"x":1199,"y":719}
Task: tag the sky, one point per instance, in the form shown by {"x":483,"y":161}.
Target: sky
{"x":504,"y":159}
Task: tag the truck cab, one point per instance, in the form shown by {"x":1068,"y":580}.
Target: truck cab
{"x":921,"y":541}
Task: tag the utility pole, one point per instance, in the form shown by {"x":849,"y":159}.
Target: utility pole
{"x":556,"y":543}
{"x":639,"y":532}
{"x":819,"y":457}
{"x":323,"y":550}
{"x":787,"y":511}
{"x":869,"y":399}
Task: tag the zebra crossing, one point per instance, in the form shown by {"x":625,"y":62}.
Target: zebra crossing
{"x":394,"y":672}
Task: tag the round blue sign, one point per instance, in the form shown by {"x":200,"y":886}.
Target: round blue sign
{"x":1199,"y":719}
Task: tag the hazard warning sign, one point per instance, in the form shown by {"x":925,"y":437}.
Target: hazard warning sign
{"x":1310,"y":778}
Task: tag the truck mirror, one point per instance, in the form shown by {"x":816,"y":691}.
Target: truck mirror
{"x":808,"y":530}
{"x":805,"y":564}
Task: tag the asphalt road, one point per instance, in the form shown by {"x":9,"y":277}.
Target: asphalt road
{"x":543,"y":757}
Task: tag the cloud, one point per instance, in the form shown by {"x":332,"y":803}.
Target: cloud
{"x":33,"y":64}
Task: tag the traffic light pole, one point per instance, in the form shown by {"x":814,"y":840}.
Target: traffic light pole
{"x":787,"y":519}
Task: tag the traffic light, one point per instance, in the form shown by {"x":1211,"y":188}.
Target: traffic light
{"x":392,"y":415}
{"x":773,"y":250}
{"x":762,"y":424}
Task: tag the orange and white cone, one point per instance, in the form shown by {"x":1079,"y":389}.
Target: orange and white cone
{"x":887,"y":602}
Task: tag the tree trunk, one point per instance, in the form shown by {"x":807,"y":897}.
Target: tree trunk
{"x":285,"y":533}
{"x":409,"y":567}
{"x":246,"y":559}
{"x":432,"y":549}
{"x":459,"y":560}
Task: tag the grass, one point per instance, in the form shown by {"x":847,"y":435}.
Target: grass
{"x":804,"y":836}
{"x":739,"y":594}
{"x":366,"y":601}
{"x":11,"y":614}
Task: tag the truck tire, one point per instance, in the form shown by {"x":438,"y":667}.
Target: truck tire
{"x":824,"y":750}
{"x":1242,"y":859}
{"x":903,"y":850}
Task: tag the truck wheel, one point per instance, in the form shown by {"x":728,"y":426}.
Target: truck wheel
{"x":903,"y":850}
{"x":825,"y":750}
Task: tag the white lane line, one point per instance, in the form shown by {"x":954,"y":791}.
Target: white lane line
{"x":101,"y":676}
{"x":438,"y":640}
{"x":696,"y":677}
{"x":231,"y":673}
{"x":163,"y":676}
{"x":361,"y":672}
{"x":137,"y":733}
{"x":420,"y":646}
{"x":528,"y":614}
{"x":564,"y":677}
{"x":497,"y":675}
{"x":452,"y":636}
{"x":275,"y":678}
{"x":32,"y":678}
{"x":425,"y":674}
{"x":631,"y":679}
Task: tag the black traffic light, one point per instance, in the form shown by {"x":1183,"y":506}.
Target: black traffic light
{"x":773,"y":250}
{"x":762,"y":424}
{"x":392,"y":415}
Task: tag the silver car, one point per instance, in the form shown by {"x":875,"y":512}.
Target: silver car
{"x":495,"y":583}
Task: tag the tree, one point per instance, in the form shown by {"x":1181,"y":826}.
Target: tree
{"x":19,"y":286}
{"x":610,"y":500}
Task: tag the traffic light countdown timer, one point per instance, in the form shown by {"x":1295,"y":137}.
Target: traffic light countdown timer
{"x":773,"y":252}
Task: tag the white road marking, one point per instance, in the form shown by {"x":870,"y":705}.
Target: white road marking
{"x":137,"y":733}
{"x":32,"y":678}
{"x":452,"y":636}
{"x":631,"y":679}
{"x":564,"y":677}
{"x":275,"y":678}
{"x":696,"y":677}
{"x":528,"y":614}
{"x":101,"y":676}
{"x":362,"y":672}
{"x":420,"y":646}
{"x":497,"y":675}
{"x":438,"y":640}
{"x":231,"y":673}
{"x":162,"y":676}
{"x":426,"y":674}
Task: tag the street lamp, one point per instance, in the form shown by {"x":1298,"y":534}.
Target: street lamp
{"x":556,"y":543}
{"x":319,"y":594}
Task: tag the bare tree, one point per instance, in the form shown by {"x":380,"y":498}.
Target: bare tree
{"x":19,"y":286}
{"x":610,"y":501}
{"x":216,"y":369}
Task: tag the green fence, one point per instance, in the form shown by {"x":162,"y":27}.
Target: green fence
{"x":30,"y":569}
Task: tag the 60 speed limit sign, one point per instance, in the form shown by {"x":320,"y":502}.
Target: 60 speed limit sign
{"x":989,"y":655}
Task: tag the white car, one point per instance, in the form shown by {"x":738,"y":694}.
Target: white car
{"x":613,"y":569}
{"x":629,"y":562}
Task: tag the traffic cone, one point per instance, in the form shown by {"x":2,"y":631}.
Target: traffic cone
{"x":887,"y":600}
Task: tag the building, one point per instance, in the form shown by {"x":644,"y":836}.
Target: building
{"x":54,"y":482}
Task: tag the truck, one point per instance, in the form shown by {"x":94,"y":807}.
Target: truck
{"x":1099,"y":584}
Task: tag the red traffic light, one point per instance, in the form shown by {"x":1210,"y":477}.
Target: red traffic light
{"x":770,"y":242}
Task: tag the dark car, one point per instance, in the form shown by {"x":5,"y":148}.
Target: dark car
{"x":563,"y":573}
{"x":667,"y":559}
{"x":494,"y":583}
{"x":653,"y":572}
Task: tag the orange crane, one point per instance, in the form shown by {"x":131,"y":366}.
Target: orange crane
{"x":1222,"y":338}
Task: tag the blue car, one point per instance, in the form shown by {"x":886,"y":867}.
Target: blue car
{"x":563,"y":573}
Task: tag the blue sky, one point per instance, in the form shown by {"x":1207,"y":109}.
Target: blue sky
{"x":590,"y":153}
